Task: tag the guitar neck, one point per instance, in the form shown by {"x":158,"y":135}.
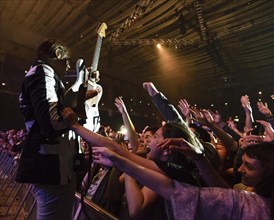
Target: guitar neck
{"x":96,"y":54}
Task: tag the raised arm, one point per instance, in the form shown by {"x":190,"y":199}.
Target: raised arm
{"x":218,"y":120}
{"x":248,"y":112}
{"x":185,"y":109}
{"x":263,"y":108}
{"x":167,"y":110}
{"x":207,"y":118}
{"x":131,"y":132}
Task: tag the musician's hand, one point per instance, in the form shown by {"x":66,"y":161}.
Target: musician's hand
{"x":95,"y":75}
{"x":70,"y":117}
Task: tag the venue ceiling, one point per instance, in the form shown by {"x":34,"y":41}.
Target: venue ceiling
{"x":212,"y":51}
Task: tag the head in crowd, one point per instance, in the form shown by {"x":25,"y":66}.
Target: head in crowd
{"x":170,"y":130}
{"x":257,"y":169}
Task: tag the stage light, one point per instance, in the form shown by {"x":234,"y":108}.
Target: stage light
{"x":158,"y":45}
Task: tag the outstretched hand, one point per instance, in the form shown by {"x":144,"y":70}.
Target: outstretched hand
{"x":151,"y":89}
{"x":184,"y":108}
{"x":182,"y":146}
{"x":202,"y":116}
{"x":70,"y":117}
{"x":103,"y":156}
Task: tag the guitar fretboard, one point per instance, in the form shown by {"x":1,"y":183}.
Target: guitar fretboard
{"x":97,"y":53}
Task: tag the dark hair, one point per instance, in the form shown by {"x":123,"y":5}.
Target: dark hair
{"x":263,"y":152}
{"x":178,"y":130}
{"x":47,"y":50}
{"x":200,"y":132}
{"x":175,"y":130}
{"x":152,"y":129}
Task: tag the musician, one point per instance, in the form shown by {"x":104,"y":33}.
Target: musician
{"x":47,"y":157}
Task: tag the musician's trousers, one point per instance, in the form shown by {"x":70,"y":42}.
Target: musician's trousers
{"x":54,"y":202}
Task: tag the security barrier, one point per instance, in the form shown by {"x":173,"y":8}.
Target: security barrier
{"x":17,"y":201}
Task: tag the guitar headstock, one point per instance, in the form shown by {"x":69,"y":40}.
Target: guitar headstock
{"x":101,"y":29}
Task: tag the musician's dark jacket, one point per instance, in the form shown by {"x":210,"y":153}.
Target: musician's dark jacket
{"x":47,"y":156}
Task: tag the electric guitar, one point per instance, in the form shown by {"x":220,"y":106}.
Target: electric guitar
{"x":84,"y":95}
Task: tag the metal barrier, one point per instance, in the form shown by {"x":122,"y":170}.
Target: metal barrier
{"x":18,"y":202}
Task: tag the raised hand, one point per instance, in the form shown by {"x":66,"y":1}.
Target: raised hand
{"x":246,"y":103}
{"x":119,"y":103}
{"x":268,"y":130}
{"x":199,"y":116}
{"x":263,"y":108}
{"x":249,"y":139}
{"x":233,"y":125}
{"x":103,"y":156}
{"x":184,"y":108}
{"x":216,"y":117}
{"x":151,"y":89}
{"x":182,"y":146}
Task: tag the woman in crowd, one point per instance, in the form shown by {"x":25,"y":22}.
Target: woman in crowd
{"x":191,"y":202}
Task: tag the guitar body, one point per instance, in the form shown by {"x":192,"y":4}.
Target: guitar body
{"x":74,"y":96}
{"x":84,"y":95}
{"x":92,"y":108}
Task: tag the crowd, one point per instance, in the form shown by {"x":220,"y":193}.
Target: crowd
{"x":11,"y":142}
{"x":194,"y":165}
{"x":188,"y":165}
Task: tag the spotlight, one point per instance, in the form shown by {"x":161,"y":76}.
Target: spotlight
{"x":158,"y":45}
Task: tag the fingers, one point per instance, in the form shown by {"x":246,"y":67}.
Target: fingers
{"x":119,"y":99}
{"x":118,"y":102}
{"x":183,"y":103}
{"x":171,"y":143}
{"x":66,"y":112}
{"x":146,"y":85}
{"x":263,"y":123}
{"x":250,"y":139}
